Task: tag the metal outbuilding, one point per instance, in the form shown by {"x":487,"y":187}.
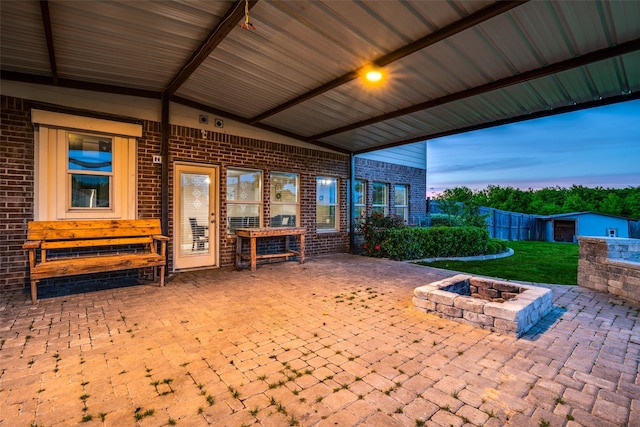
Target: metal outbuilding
{"x":568,"y":227}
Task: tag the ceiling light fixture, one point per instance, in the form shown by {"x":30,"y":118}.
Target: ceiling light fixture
{"x":374,"y":75}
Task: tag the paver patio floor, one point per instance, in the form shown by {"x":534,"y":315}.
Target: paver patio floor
{"x":333,"y":342}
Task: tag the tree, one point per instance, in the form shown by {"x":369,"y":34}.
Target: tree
{"x":631,"y":204}
{"x":576,"y":203}
{"x":461,"y":201}
{"x":612,"y":205}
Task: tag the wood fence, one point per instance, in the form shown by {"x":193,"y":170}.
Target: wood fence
{"x":513,"y":225}
{"x":504,"y":224}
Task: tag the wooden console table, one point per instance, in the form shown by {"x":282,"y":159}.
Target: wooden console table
{"x":254,"y":233}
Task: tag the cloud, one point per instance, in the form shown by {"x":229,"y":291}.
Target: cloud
{"x":498,"y":165}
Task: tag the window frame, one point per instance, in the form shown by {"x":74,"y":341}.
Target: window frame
{"x":274,"y":202}
{"x":335,"y":205}
{"x":405,"y":205}
{"x":360,"y":207}
{"x":259,"y":203}
{"x":52,"y":189}
{"x":375,"y":207}
{"x":71,"y":172}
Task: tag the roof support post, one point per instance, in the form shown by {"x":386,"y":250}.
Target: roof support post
{"x":164,"y":152}
{"x":352,"y":210}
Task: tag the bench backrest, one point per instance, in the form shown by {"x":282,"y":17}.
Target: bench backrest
{"x":96,"y":229}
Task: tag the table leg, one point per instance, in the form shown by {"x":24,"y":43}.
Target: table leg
{"x":286,"y":247}
{"x":253,"y":254}
{"x":238,"y":251}
{"x":301,"y":248}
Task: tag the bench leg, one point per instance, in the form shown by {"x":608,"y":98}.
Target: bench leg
{"x":34,"y":292}
{"x":161,"y":275}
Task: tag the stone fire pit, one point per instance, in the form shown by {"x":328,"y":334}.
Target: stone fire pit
{"x":491,"y":304}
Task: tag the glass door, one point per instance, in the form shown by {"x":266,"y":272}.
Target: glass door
{"x":195,"y":218}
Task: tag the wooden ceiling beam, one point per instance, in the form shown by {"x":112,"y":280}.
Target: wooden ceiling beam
{"x":447,"y":31}
{"x":558,"y":67}
{"x":78,"y":84}
{"x":48,"y":33}
{"x":215,"y":37}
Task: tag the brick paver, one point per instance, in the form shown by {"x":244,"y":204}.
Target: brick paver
{"x":332,"y":342}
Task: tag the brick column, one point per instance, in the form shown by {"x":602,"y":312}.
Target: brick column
{"x":610,"y":265}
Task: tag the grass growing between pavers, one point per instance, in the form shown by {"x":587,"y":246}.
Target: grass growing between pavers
{"x":353,"y":355}
{"x":539,"y":262}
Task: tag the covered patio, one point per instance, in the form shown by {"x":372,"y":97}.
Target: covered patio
{"x":332,"y":342}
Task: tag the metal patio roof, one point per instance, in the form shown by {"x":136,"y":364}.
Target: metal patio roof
{"x":451,"y":66}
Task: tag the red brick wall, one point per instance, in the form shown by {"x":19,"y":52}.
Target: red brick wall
{"x":415,"y":178}
{"x":149,"y":174}
{"x":229,"y":151}
{"x":16,"y":189}
{"x":186,"y":145}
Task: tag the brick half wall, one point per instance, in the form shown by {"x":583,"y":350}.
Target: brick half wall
{"x":610,"y":265}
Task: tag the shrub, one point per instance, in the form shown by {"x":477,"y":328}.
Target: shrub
{"x":458,"y":203}
{"x":496,"y":246}
{"x":375,"y":227}
{"x":434,"y":242}
{"x":444,"y":220}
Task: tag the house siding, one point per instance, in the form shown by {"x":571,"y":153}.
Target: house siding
{"x":412,"y":155}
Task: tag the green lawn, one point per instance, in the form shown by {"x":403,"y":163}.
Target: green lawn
{"x":540,"y":262}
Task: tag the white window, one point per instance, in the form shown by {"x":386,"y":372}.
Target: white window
{"x":90,"y":171}
{"x":401,"y":201}
{"x":284,"y":199}
{"x":327,"y":204}
{"x":85,"y":168}
{"x":380,"y":198}
{"x":244,"y":199}
{"x":360,"y":198}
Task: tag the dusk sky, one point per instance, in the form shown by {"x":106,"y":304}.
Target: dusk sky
{"x":597,"y":147}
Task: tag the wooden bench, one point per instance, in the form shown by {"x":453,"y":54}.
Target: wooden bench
{"x":83,"y":247}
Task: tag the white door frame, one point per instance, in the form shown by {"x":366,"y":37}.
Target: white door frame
{"x":211,"y":256}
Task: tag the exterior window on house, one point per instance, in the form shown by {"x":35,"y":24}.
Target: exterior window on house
{"x":85,"y":167}
{"x":284,"y":199}
{"x":90,"y":171}
{"x":401,"y":201}
{"x":327,"y":204}
{"x":380,"y":198}
{"x":360,"y":198}
{"x":244,"y":199}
